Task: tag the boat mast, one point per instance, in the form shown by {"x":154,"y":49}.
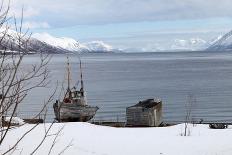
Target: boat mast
{"x":68,"y":70}
{"x":81,"y":75}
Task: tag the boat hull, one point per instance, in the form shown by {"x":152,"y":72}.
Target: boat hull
{"x":73,"y":112}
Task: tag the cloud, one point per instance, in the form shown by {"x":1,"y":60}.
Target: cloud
{"x":73,"y":12}
{"x":16,"y":7}
{"x":35,"y":25}
{"x":27,"y":12}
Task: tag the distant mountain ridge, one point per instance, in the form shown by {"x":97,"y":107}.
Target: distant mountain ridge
{"x":46,"y":43}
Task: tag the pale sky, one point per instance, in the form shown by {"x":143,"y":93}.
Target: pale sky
{"x":127,"y":23}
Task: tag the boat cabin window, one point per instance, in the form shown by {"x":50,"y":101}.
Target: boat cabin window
{"x":76,"y":94}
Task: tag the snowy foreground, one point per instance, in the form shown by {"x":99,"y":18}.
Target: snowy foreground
{"x":88,"y":139}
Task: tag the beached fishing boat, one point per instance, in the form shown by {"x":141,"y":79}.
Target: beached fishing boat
{"x":74,"y":107}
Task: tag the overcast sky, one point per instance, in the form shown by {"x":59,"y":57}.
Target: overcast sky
{"x":127,"y":23}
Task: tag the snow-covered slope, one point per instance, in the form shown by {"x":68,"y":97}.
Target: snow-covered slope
{"x":222,"y":43}
{"x":88,"y":139}
{"x":65,"y":43}
{"x":215,"y":40}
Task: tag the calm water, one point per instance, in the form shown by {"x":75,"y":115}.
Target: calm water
{"x":115,"y":81}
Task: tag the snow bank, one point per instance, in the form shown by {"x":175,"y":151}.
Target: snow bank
{"x":86,"y":139}
{"x":15,"y":120}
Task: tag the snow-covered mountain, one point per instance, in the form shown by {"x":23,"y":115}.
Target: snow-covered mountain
{"x":10,"y":42}
{"x":98,"y":46}
{"x":72,"y":45}
{"x":222,"y":43}
{"x":175,"y":45}
{"x":192,"y":44}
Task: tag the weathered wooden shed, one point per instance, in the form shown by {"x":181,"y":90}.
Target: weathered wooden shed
{"x":145,"y":113}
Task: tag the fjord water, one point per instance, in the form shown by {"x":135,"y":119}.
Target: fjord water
{"x":116,"y":81}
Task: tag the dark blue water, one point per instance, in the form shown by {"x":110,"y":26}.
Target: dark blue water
{"x":116,"y":81}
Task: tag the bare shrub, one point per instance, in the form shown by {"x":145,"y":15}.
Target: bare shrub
{"x":191,"y":101}
{"x":16,"y":80}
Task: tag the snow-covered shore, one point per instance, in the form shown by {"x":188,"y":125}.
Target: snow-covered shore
{"x":88,"y":139}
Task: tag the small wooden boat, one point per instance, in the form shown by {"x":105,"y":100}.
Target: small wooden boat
{"x":74,"y":108}
{"x":218,"y":125}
